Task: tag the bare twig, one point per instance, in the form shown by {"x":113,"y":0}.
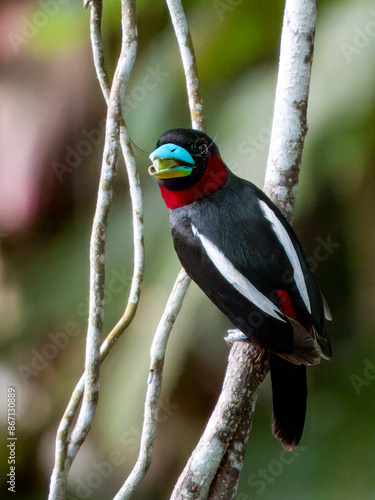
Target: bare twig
{"x":97,"y":45}
{"x":97,"y":254}
{"x":179,"y":290}
{"x":185,"y":43}
{"x":157,"y":353}
{"x":67,"y":449}
{"x":203,"y":476}
{"x":60,"y":471}
{"x":134,"y":183}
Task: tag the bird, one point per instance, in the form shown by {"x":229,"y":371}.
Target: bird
{"x":238,"y":247}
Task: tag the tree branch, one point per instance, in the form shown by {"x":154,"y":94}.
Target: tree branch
{"x":97,"y":247}
{"x":225,"y":482}
{"x":157,"y":354}
{"x":97,"y":45}
{"x":289,"y":126}
{"x":223,"y":444}
{"x":88,"y":385}
{"x":181,"y":28}
{"x":203,"y":476}
{"x":182,"y":283}
{"x":241,"y":380}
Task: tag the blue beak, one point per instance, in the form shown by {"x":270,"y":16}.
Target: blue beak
{"x":170,"y":160}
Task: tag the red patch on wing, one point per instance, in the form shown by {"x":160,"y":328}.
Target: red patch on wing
{"x":288,"y":309}
{"x":286,"y":304}
{"x":214,"y":177}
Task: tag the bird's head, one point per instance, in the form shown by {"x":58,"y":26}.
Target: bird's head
{"x":187,"y":161}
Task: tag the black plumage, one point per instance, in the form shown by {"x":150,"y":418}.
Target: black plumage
{"x":240,"y":250}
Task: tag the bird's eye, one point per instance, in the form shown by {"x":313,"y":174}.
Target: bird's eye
{"x":200,"y":148}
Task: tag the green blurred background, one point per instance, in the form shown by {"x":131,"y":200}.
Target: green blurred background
{"x":51,"y":139}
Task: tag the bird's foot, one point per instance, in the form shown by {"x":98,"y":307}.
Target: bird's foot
{"x":234,"y":335}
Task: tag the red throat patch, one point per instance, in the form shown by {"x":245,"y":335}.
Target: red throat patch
{"x":214,"y":177}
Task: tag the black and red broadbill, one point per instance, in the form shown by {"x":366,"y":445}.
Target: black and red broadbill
{"x":241,"y":251}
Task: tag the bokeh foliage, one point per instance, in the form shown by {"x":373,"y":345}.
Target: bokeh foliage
{"x":44,"y":259}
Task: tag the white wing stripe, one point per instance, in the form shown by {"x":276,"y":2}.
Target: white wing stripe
{"x":287,"y":244}
{"x":236,"y":279}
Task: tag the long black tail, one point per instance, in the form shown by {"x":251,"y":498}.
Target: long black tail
{"x":289,"y":396}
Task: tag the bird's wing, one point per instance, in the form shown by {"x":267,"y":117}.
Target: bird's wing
{"x":255,"y":251}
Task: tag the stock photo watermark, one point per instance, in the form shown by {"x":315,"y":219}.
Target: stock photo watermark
{"x":254,"y":144}
{"x":321,"y":253}
{"x":130,"y":440}
{"x":365,"y":379}
{"x":150,"y":82}
{"x":95,"y":137}
{"x":264,"y":476}
{"x":11,"y":440}
{"x":31,"y":25}
{"x":75,"y":156}
{"x":222,"y":7}
{"x":361,"y":38}
{"x":41,"y":358}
